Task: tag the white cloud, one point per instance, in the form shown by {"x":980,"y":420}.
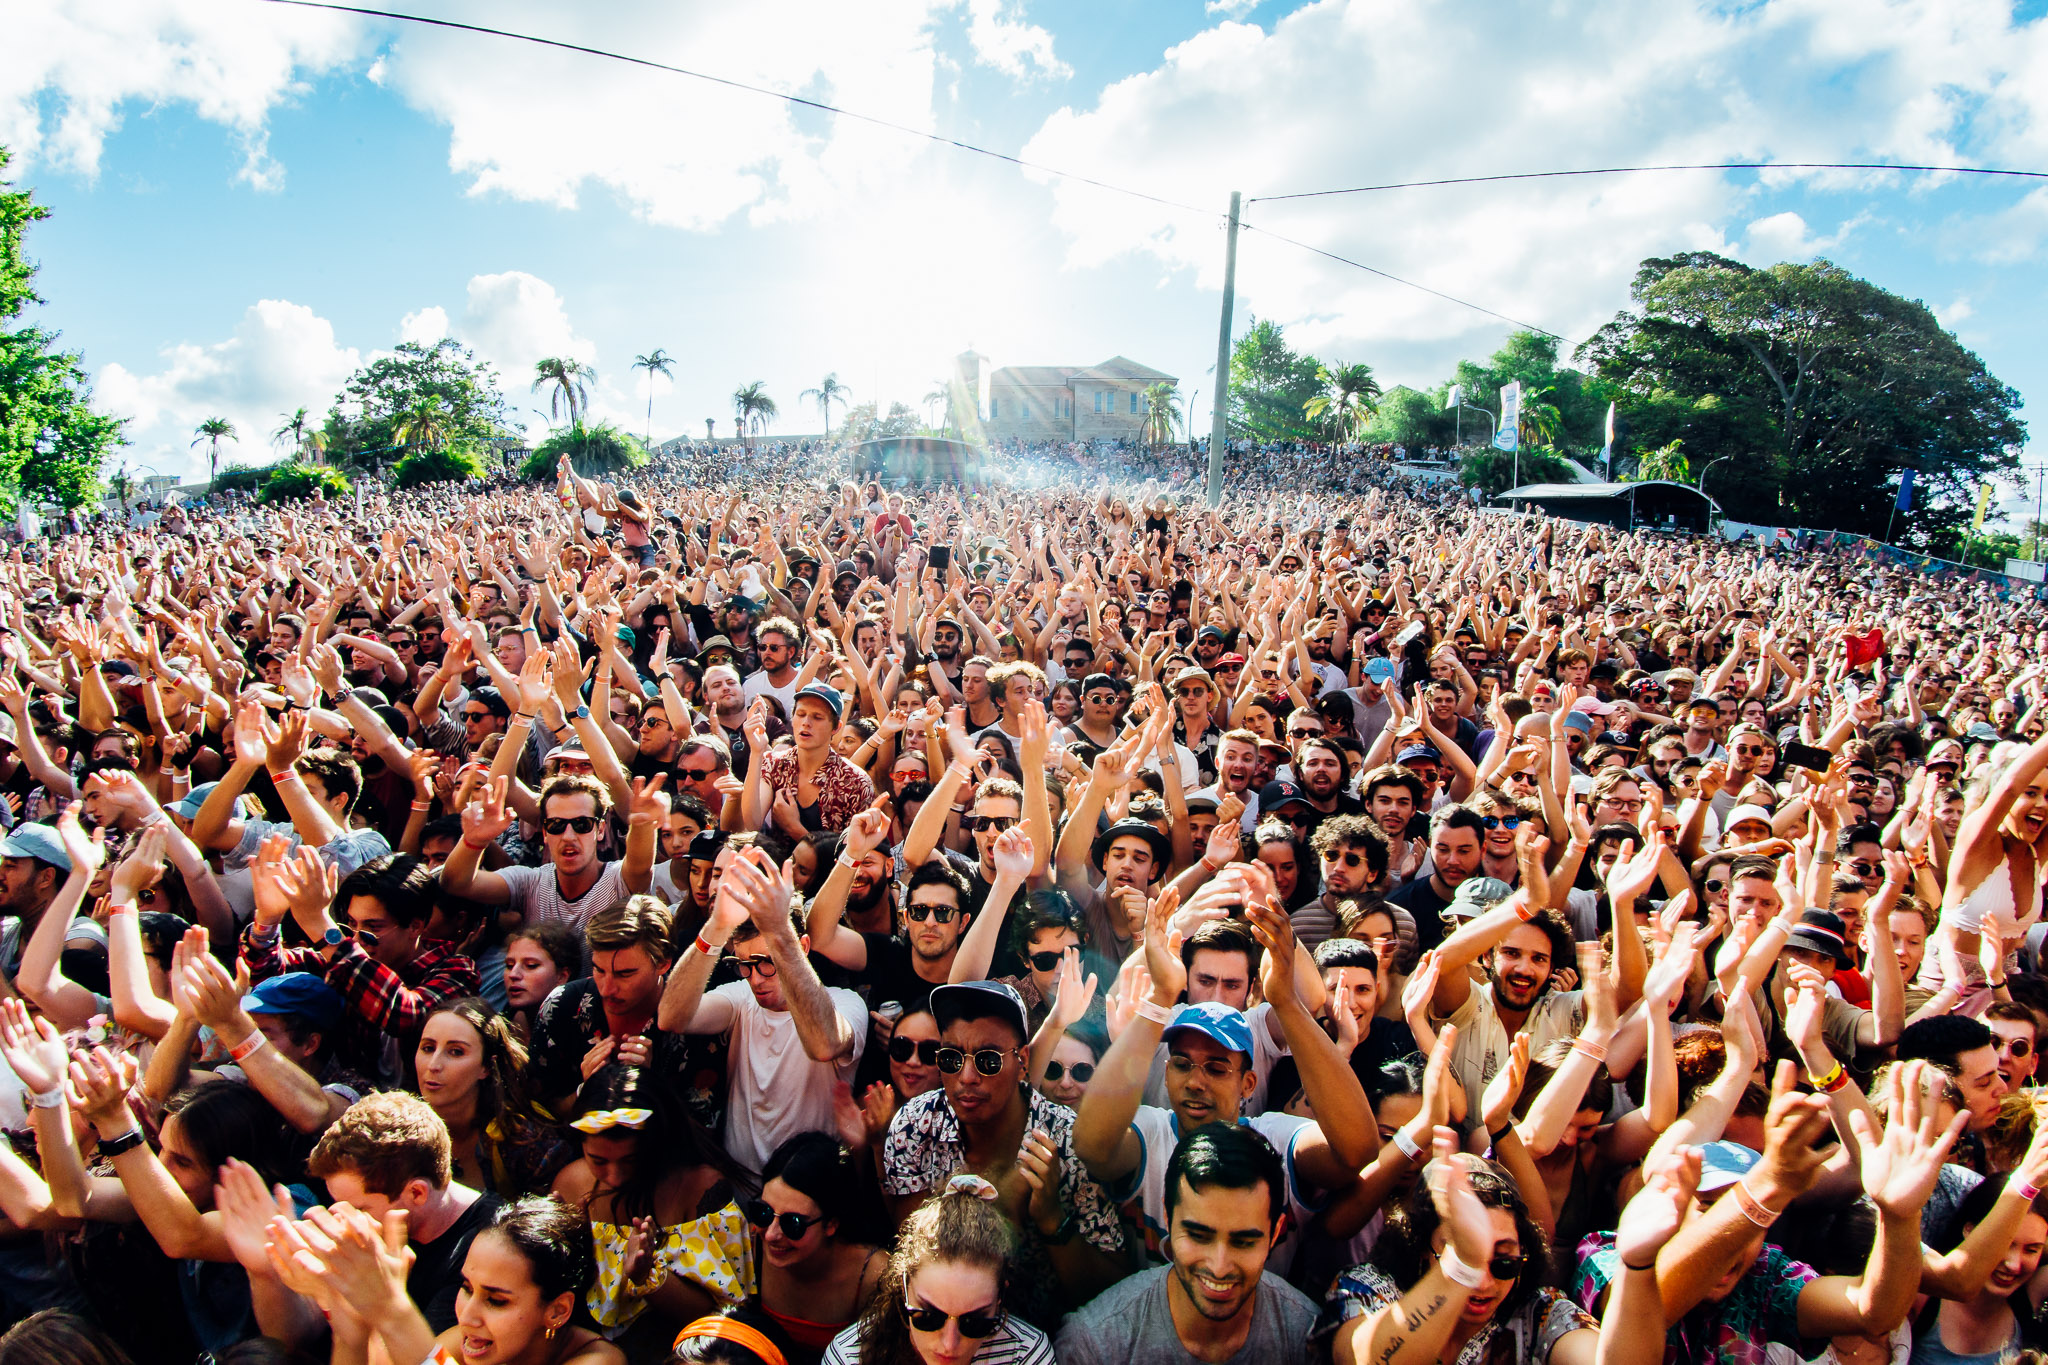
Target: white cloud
{"x":1008,"y":44}
{"x":1236,"y":9}
{"x":515,"y":319}
{"x":74,"y":69}
{"x":1953,"y":314}
{"x":1785,"y":237}
{"x":281,"y":356}
{"x":1350,"y":92}
{"x":424,"y":326}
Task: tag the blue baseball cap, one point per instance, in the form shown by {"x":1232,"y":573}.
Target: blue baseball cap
{"x":1215,"y":1021}
{"x":1380,"y":671}
{"x":1723,"y":1163}
{"x":300,"y":993}
{"x":37,"y":841}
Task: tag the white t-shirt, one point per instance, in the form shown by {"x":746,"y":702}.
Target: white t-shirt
{"x":777,"y":1091}
{"x":758,"y":684}
{"x":537,"y":895}
{"x":663,"y":884}
{"x":1190,"y":772}
{"x":1265,"y":1052}
{"x":1159,"y":1133}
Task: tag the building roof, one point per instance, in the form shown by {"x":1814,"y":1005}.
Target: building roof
{"x":1116,"y":369}
{"x":1584,"y":492}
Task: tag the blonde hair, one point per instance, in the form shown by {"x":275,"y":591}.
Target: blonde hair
{"x":956,"y":1226}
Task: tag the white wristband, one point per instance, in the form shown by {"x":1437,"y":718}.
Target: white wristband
{"x":1407,"y":1145}
{"x":1457,"y":1272}
{"x":49,"y":1099}
{"x":1158,"y":1014}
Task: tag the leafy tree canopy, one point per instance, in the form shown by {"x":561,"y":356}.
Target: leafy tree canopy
{"x":862,"y":423}
{"x":1820,"y":388}
{"x":594,"y":452}
{"x":291,"y":480}
{"x":441,"y":464}
{"x":445,"y":380}
{"x":1494,"y":471}
{"x":1271,"y":386}
{"x":52,"y":444}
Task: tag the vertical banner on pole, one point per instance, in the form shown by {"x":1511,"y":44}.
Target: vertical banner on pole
{"x":1905,"y":502}
{"x":1505,"y":435}
{"x":1455,"y":397}
{"x":1607,"y":446}
{"x":1983,"y":504}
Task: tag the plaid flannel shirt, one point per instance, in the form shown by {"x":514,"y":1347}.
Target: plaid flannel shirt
{"x":383,"y":1002}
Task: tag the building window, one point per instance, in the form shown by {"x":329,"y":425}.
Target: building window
{"x":992,"y":409}
{"x":1134,"y":404}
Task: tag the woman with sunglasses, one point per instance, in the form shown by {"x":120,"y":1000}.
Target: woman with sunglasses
{"x":658,"y":1190}
{"x":1457,"y":1274}
{"x":913,"y":1061}
{"x":940,"y":1302}
{"x":813,"y":1281}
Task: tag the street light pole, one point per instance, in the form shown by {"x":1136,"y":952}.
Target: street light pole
{"x":1219,"y":427}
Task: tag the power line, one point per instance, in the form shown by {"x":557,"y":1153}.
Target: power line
{"x":745,"y":87}
{"x":1387,"y":275}
{"x":1638,"y":170}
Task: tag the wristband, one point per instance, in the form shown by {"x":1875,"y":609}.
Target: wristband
{"x":1158,"y":1014}
{"x":1640,"y":1269}
{"x":2027,"y":1192}
{"x":423,"y":805}
{"x":261,"y":937}
{"x":1457,"y":1272}
{"x":1407,"y":1145}
{"x":1587,"y":1047}
{"x":1751,"y":1207}
{"x":846,"y":861}
{"x":50,"y":1099}
{"x":1829,"y":1083}
{"x":253,"y":1043}
{"x":707,"y":947}
{"x":126,"y":1142}
{"x":279,"y":779}
{"x":1526,"y":909}
{"x":467,"y":842}
{"x":300,"y":705}
{"x":1495,"y":1138}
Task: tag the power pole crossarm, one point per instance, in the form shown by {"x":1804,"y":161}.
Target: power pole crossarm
{"x":1219,"y":429}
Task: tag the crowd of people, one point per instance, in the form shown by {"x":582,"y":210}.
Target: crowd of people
{"x":742,"y":912}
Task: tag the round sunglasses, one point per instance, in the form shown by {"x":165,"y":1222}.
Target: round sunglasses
{"x":794,"y":1225}
{"x":988,"y":1060}
{"x":901,"y":1050}
{"x":1082,"y":1072}
{"x":981,"y":1323}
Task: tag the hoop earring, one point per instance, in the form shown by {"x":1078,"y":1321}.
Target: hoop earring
{"x":551,"y":1333}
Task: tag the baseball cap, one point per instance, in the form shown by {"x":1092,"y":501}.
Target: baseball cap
{"x":1580,"y":721}
{"x":1380,"y":670}
{"x":1593,"y":706}
{"x":981,"y":1000}
{"x":1192,"y":674}
{"x":845,"y":568}
{"x":1747,"y":811}
{"x":1672,"y":675}
{"x":300,"y":993}
{"x":1477,"y":895}
{"x":716,"y":643}
{"x":1213,"y":1020}
{"x":1275,"y":795}
{"x":1209,"y":633}
{"x":1415,"y":751}
{"x":741,"y":602}
{"x":37,"y":841}
{"x":1820,"y":931}
{"x":1723,"y":1163}
{"x":825,"y":693}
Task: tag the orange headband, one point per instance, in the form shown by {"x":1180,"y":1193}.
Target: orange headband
{"x":738,"y":1333}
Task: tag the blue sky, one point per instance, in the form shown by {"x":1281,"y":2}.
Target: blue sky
{"x":250,"y":199}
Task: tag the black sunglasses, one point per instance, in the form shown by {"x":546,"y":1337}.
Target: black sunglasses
{"x":975,"y":823}
{"x":1046,"y":962}
{"x":988,"y":1061}
{"x":794,"y":1225}
{"x":942,"y":913}
{"x":696,"y":774}
{"x":901,"y":1050}
{"x":1082,"y":1072}
{"x":978,"y":1324}
{"x":562,"y":824}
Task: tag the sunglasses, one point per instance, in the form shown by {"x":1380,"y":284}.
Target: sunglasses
{"x":1350,"y":857}
{"x":794,"y":1225}
{"x":1715,"y":886}
{"x":988,"y":1060}
{"x":476,"y":715}
{"x":747,"y":966}
{"x":1750,"y":750}
{"x":1501,"y":821}
{"x":562,"y":824}
{"x":1864,"y":867}
{"x":1101,"y":698}
{"x":2016,"y":1047}
{"x":920,"y":913}
{"x":696,"y":774}
{"x":901,"y":1050}
{"x":997,"y":823}
{"x":977,"y":1324}
{"x":1084,"y":1072}
{"x":1046,"y":962}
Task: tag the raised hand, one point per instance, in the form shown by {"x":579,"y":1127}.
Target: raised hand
{"x":1450,"y":1188}
{"x":536,"y":681}
{"x":1421,"y":987}
{"x":483,"y":820}
{"x":1497,"y":1104}
{"x":99,"y":1082}
{"x":87,"y":851}
{"x":865,"y":832}
{"x":1899,"y":1170}
{"x":1654,"y":1216}
{"x":33,"y":1048}
{"x":245,"y":1209}
{"x":763,"y":889}
{"x":648,"y":804}
{"x":1014,"y":855}
{"x":1038,"y":1161}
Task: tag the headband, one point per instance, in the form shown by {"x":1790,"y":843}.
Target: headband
{"x":600,"y":1119}
{"x":738,"y":1333}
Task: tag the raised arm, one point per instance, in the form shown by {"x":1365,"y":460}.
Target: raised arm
{"x":1103,"y":1137}
{"x":766,"y":892}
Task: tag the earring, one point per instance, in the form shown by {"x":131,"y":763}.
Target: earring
{"x":551,"y":1332}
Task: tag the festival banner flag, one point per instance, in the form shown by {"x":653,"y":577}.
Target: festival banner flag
{"x":1906,"y":491}
{"x":1983,"y":504}
{"x":1506,"y":435}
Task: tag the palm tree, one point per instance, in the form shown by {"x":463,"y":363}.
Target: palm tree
{"x":423,"y":425}
{"x":213,"y":431}
{"x":299,"y":434}
{"x":1540,"y":417}
{"x":571,"y":379}
{"x":660,"y":363}
{"x":710,"y":425}
{"x":752,"y":408}
{"x":825,"y":395}
{"x":940,"y":396}
{"x":123,"y":483}
{"x":1162,"y":412}
{"x":1349,"y":398}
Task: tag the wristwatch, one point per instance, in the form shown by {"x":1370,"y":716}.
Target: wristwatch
{"x":582,"y":712}
{"x":334,"y":937}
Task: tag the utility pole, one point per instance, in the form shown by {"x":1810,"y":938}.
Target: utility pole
{"x":1219,"y":429}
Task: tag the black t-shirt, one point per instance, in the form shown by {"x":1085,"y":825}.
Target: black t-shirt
{"x":1388,"y":1039}
{"x":1420,"y":899}
{"x":437,"y":1265}
{"x":889,"y":975}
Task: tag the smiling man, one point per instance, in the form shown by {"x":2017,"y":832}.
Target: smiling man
{"x":1212,"y":1300}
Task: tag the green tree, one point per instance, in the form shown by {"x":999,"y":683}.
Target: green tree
{"x":1495,"y":471}
{"x":361,"y":428}
{"x":1349,"y":396}
{"x":828,"y":392}
{"x":292,"y":480}
{"x":423,"y":426}
{"x":1415,"y":419}
{"x":659,"y":363}
{"x":752,"y":409}
{"x":439,"y":464}
{"x":1824,"y":387}
{"x":1271,"y":385}
{"x":52,"y":444}
{"x":1162,"y":412}
{"x":210,"y":433}
{"x":571,"y":385}
{"x":593,"y":451}
{"x":1665,"y":462}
